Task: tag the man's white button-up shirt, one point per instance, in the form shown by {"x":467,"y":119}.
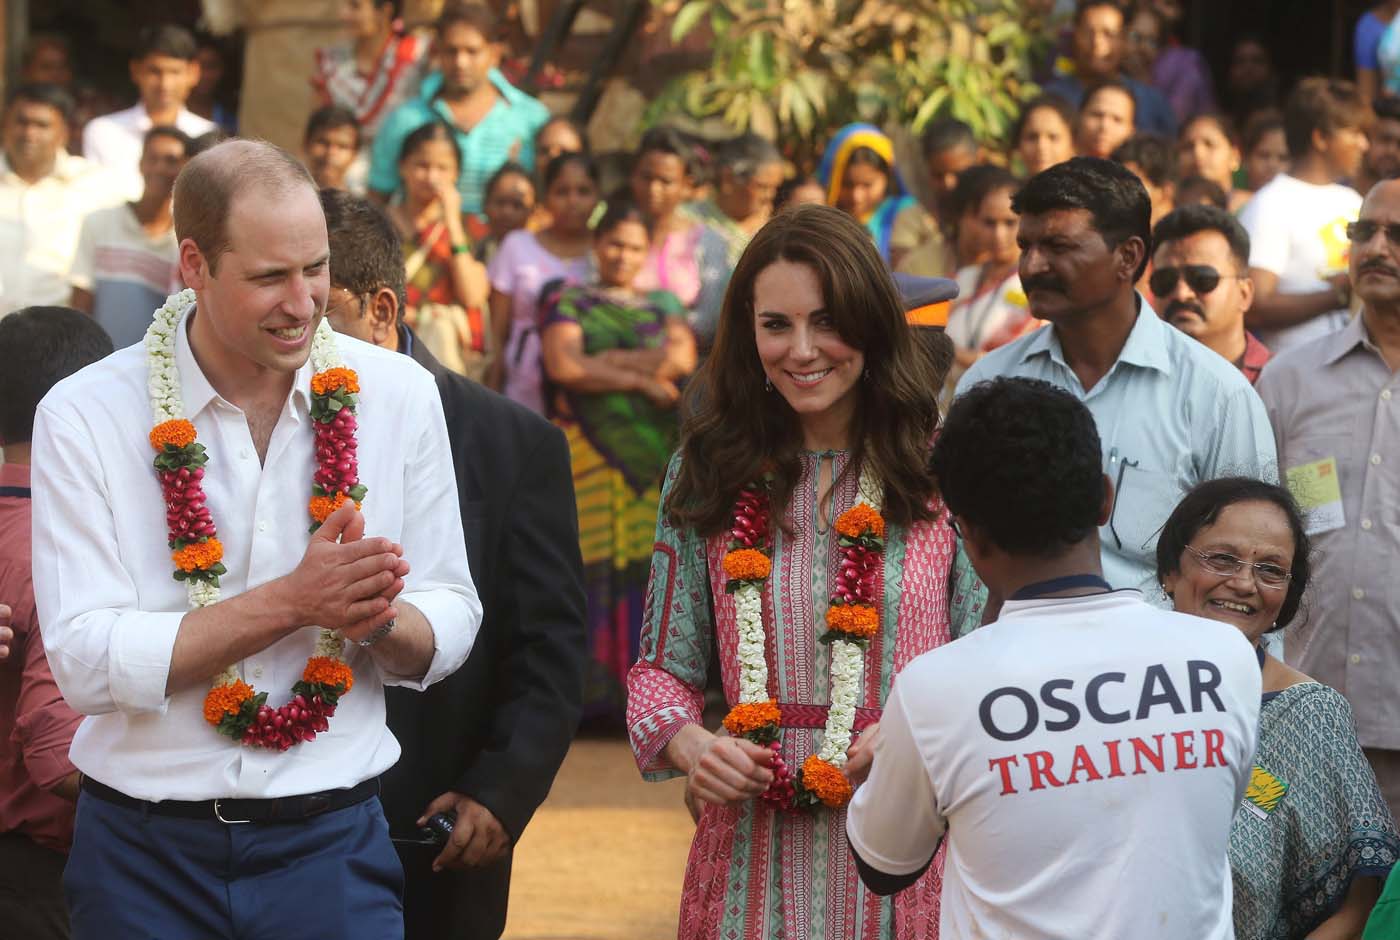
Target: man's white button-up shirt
{"x":111,"y":609}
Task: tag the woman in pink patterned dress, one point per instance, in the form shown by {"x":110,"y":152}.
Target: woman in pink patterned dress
{"x":813,"y":400}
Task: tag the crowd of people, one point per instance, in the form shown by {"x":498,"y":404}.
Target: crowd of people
{"x":1028,"y":516}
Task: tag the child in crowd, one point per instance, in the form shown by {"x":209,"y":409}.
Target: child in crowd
{"x":330,"y":144}
{"x":509,"y":205}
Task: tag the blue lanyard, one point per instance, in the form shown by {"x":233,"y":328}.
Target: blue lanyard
{"x":1056,"y":585}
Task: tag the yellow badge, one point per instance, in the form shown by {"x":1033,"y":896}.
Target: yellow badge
{"x":1317,"y":487}
{"x":1264,"y":791}
{"x":1017,"y":298}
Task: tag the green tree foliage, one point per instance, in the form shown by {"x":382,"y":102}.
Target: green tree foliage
{"x":796,"y":70}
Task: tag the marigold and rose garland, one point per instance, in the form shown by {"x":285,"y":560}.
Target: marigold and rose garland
{"x":853,"y":618}
{"x":232,"y":706}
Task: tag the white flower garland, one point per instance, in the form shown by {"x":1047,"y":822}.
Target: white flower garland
{"x":847,"y":658}
{"x":163,"y":385}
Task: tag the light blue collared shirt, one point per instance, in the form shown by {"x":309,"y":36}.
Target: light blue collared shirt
{"x":1170,"y":413}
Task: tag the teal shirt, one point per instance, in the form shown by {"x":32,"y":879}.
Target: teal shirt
{"x":1170,"y":413}
{"x":507,"y":132}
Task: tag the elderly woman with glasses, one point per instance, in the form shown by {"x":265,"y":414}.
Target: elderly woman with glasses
{"x":1313,"y":838}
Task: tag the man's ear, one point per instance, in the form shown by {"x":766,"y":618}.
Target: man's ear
{"x":1130,"y":254}
{"x":193,"y":269}
{"x":383,"y":312}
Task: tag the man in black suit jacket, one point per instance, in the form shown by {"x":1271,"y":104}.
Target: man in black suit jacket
{"x":486,"y":742}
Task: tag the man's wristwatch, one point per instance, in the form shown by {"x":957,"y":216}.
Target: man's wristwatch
{"x":379,"y":634}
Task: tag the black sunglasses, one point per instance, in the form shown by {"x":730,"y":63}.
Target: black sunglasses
{"x":1361,"y":232}
{"x":1201,"y":278}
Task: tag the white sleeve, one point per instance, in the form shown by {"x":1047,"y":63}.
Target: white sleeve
{"x":1268,"y":237}
{"x":894,"y":822}
{"x":105,"y":652}
{"x":82,"y":274}
{"x":95,"y":138}
{"x":439,"y":583}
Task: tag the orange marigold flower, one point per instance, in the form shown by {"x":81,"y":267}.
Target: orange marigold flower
{"x":323,"y":383}
{"x":198,"y":555}
{"x":321,"y":507}
{"x":827,"y":782}
{"x":226,"y":700}
{"x":858,"y":620}
{"x":860,"y":519}
{"x":177,"y":433}
{"x":751,"y":716}
{"x":330,"y":672}
{"x":747,"y":564}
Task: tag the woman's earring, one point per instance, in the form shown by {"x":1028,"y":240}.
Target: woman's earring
{"x":767,"y":384}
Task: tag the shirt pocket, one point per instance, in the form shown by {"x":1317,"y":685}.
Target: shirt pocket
{"x":1143,"y":501}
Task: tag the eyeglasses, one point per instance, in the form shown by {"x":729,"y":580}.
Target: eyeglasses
{"x":1201,"y":278}
{"x":1359,"y":233}
{"x":1227,"y":565}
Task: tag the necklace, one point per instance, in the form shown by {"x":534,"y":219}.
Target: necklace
{"x":852,"y":618}
{"x":232,"y":706}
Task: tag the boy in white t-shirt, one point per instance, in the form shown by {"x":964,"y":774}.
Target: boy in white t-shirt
{"x":1297,"y":222}
{"x":1086,"y":752}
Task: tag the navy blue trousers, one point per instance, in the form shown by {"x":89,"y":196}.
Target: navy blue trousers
{"x":134,"y":875}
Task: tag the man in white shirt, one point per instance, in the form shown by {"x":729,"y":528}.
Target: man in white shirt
{"x":1297,"y":222}
{"x":181,"y":831}
{"x":44,"y":195}
{"x":165,"y":71}
{"x":1085,"y":753}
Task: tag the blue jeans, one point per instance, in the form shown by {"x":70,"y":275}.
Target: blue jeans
{"x":134,"y":875}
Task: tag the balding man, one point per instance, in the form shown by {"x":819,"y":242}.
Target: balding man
{"x":1334,"y":404}
{"x":236,"y":731}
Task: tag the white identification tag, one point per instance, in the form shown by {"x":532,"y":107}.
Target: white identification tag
{"x":1318,"y":489}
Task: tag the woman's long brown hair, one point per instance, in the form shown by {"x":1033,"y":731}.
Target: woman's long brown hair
{"x":737,"y":426}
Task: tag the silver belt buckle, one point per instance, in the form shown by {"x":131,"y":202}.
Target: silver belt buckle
{"x":228,"y":822}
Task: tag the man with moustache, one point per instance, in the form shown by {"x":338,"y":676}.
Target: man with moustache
{"x":1335,"y":407}
{"x":1170,"y":412}
{"x":1200,"y":281}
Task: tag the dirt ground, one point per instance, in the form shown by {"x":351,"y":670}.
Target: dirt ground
{"x":604,"y":857}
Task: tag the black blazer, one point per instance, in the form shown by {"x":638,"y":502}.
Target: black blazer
{"x":497,"y":729}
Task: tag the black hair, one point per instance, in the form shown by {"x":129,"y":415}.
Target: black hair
{"x":1321,"y":104}
{"x":1387,"y":108}
{"x":509,"y":168}
{"x":1260,"y":126}
{"x":975,"y":184}
{"x":866,"y":156}
{"x":1113,"y":195}
{"x":569,"y":122}
{"x":169,"y":131}
{"x":556,"y":166}
{"x":1020,"y":459}
{"x":478,"y":16}
{"x":665,"y":139}
{"x":41,"y":346}
{"x":433,"y":130}
{"x":37,"y":41}
{"x":1050,"y":102}
{"x":1197,"y":190}
{"x":744,"y":155}
{"x":1084,"y":6}
{"x":621,"y":208}
{"x":329,"y":117}
{"x":1222,"y":122}
{"x":1203,"y":505}
{"x":947,"y":134}
{"x":206,"y":141}
{"x":165,"y":39}
{"x":1153,"y":154}
{"x":55,"y":96}
{"x":790,"y":186}
{"x":366,"y":251}
{"x":396,"y":4}
{"x":1111,"y":84}
{"x":1188,"y":220}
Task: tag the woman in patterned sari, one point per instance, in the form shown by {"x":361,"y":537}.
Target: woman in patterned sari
{"x":860,"y":177}
{"x":1313,"y":838}
{"x":615,"y":357}
{"x":800,"y":536}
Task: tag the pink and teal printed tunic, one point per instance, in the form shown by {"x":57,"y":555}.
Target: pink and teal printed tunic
{"x":754,"y":874}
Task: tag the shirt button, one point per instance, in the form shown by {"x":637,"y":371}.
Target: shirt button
{"x":244,"y":453}
{"x":1375,"y":459}
{"x":1385,"y":395}
{"x":257,"y":672}
{"x":1357,"y":593}
{"x":1355,"y":659}
{"x":262,"y":526}
{"x":1366,"y":524}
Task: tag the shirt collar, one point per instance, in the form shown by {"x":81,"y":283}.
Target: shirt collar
{"x":197,"y":393}
{"x":66,"y":168}
{"x":1146,"y":346}
{"x":1348,"y":338}
{"x":432,"y":86}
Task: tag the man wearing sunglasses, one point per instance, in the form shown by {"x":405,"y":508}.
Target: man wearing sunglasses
{"x":1335,"y":408}
{"x":1201,"y":284}
{"x":1170,"y":412}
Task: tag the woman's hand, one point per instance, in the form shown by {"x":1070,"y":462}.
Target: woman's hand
{"x":721,"y":770}
{"x":860,"y":754}
{"x":450,"y":199}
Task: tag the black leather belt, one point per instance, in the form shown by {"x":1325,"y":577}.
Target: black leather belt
{"x":231,"y":810}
